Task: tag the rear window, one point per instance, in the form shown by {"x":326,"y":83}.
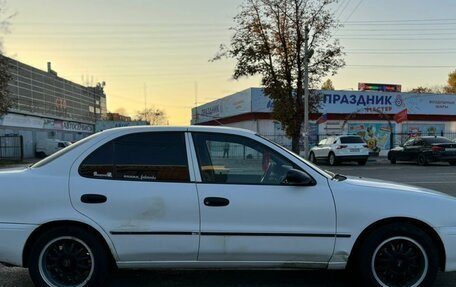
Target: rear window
{"x":349,"y":140}
{"x":437,"y":140}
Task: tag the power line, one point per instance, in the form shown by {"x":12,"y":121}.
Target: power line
{"x":338,"y":7}
{"x":401,"y":66}
{"x":403,"y":20}
{"x":396,"y":39}
{"x":353,"y":11}
{"x":345,"y":7}
{"x":398,"y":24}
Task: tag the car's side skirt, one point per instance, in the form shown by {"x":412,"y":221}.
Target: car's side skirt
{"x":230,"y":265}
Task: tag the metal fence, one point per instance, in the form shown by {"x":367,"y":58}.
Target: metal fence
{"x":11,"y":148}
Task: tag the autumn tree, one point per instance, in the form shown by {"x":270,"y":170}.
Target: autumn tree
{"x":5,"y":100}
{"x":153,"y":116}
{"x":269,"y":40}
{"x":328,"y":85}
{"x":451,"y":87}
{"x":421,"y":90}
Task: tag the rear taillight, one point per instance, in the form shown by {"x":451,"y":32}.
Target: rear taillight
{"x":438,"y":148}
{"x":365,"y":145}
{"x":342,"y":146}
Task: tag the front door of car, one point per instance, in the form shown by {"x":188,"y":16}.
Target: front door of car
{"x":249,"y":214}
{"x":138,"y":188}
{"x":411,"y":150}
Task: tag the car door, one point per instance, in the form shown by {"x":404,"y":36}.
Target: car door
{"x":318,"y":150}
{"x":139,"y":189}
{"x":248,"y":214}
{"x":409,"y":150}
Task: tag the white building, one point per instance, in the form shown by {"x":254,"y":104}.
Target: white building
{"x":369,"y":114}
{"x":48,"y":106}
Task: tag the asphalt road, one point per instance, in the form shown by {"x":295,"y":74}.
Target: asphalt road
{"x":441,"y":177}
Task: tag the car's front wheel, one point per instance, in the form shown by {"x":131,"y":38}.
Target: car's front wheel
{"x":399,"y":255}
{"x":68,"y":256}
{"x":452,"y":162}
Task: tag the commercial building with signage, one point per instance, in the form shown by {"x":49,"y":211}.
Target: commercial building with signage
{"x":48,"y":106}
{"x":366,"y":113}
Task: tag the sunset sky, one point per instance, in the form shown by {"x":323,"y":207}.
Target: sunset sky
{"x":161,"y":48}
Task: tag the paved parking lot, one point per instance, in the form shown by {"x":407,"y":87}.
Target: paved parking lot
{"x":441,"y":177}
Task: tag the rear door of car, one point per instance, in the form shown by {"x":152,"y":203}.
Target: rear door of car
{"x":140,"y":190}
{"x":249,"y":215}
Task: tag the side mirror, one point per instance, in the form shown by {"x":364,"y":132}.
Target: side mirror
{"x":297,"y":177}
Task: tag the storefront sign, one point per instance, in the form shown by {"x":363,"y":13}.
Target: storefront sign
{"x":333,"y":102}
{"x":346,"y":102}
{"x":14,"y":120}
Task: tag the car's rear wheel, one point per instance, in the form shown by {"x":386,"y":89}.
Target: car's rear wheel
{"x":332,"y":159}
{"x":312,"y":158}
{"x":398,"y":255}
{"x":68,"y":256}
{"x":362,"y":162}
{"x":422,"y":160}
{"x":452,"y":162}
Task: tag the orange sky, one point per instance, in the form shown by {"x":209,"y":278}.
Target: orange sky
{"x":165,"y":45}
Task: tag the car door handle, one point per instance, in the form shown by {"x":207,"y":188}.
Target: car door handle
{"x":216,"y":201}
{"x":93,"y":198}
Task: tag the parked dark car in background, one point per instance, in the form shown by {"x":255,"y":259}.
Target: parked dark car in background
{"x":424,"y":150}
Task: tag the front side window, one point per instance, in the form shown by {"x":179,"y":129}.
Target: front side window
{"x":141,"y":157}
{"x":234,"y":159}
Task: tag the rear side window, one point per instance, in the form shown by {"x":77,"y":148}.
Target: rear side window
{"x":437,"y":140}
{"x":351,"y":140}
{"x":140,"y":157}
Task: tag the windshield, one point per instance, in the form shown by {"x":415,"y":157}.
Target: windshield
{"x":62,"y":152}
{"x":325,"y":173}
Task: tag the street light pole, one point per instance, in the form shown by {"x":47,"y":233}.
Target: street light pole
{"x":306,"y":91}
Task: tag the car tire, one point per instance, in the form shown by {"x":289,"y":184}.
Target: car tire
{"x":452,"y":162}
{"x":312,"y":158}
{"x":362,"y":162}
{"x":332,"y":159}
{"x":422,"y":160}
{"x":68,"y":256}
{"x":396,"y":251}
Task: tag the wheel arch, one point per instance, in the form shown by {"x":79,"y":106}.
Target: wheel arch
{"x":65,"y":223}
{"x":398,"y":220}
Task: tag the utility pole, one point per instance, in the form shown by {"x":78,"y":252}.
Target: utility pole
{"x":196,"y":104}
{"x":145,"y":97}
{"x":306,"y":91}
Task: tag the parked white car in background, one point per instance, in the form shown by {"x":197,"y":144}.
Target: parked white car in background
{"x":206,"y":197}
{"x":46,"y":147}
{"x":337,"y":149}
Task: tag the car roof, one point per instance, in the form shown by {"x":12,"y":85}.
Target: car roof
{"x":216,"y":129}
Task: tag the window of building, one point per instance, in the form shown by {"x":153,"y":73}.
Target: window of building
{"x":233,"y":159}
{"x":140,"y":157}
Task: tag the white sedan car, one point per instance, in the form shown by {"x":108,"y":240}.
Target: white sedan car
{"x":205,"y":197}
{"x":337,"y":149}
